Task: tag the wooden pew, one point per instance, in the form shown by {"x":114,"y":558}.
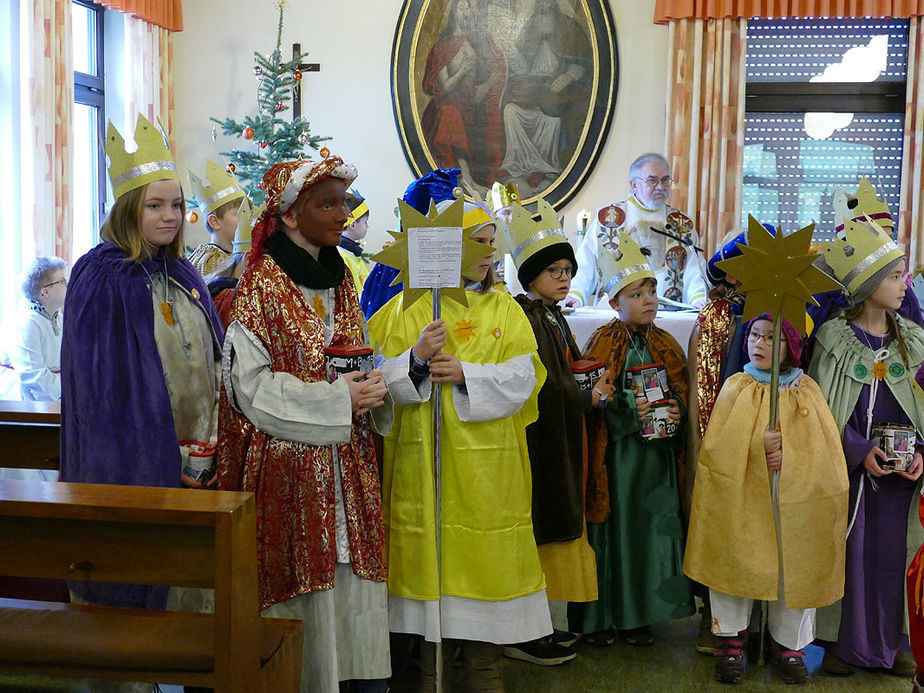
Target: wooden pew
{"x":146,"y":536}
{"x":29,"y":434}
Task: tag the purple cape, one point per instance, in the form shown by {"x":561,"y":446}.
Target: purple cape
{"x":116,"y":420}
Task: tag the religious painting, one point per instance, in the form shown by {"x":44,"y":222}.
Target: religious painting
{"x":518,"y":91}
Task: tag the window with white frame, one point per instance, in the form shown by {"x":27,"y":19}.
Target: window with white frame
{"x":92,"y":27}
{"x":89,"y":181}
{"x":825,"y":102}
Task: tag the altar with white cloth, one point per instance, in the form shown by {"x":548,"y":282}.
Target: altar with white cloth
{"x":583,"y":322}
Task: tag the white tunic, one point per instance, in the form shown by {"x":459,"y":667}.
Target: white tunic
{"x":638,"y":219}
{"x":35,"y":355}
{"x":347,"y":627}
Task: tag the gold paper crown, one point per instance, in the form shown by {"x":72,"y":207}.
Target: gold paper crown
{"x":356,"y":203}
{"x":862,"y":206}
{"x":150,"y":161}
{"x":628,"y":264}
{"x":474,"y":215}
{"x":503,"y":195}
{"x":865,"y":250}
{"x":526,"y":236}
{"x":246,"y":216}
{"x":222,"y":187}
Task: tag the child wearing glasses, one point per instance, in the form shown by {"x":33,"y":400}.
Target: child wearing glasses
{"x":865,"y":361}
{"x":633,"y":488}
{"x":545,"y":264}
{"x":31,"y":367}
{"x":769,"y":508}
{"x":715,"y":353}
{"x":35,"y":349}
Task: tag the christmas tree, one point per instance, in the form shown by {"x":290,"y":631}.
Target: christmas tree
{"x":272,"y":137}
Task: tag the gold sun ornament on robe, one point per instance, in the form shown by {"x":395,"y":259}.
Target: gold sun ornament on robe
{"x":465,"y":330}
{"x":395,"y":255}
{"x":879,"y":370}
{"x":776,"y":273}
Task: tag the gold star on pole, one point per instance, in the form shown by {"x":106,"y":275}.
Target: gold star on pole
{"x":395,"y":255}
{"x":776,"y":273}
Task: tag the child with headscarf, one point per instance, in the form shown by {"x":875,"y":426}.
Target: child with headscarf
{"x":769,"y":508}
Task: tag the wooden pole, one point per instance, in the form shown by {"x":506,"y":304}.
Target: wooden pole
{"x":771,"y":426}
{"x":775,"y":372}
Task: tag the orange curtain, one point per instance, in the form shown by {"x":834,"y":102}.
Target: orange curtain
{"x":164,"y":13}
{"x":47,"y":98}
{"x":148,"y":85}
{"x":705,"y":134}
{"x":910,"y":216}
{"x":666,"y":10}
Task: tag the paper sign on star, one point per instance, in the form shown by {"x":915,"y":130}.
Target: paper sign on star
{"x":396,"y":255}
{"x":777,"y":274}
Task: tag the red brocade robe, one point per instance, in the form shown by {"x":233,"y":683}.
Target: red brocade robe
{"x":915,"y":586}
{"x":293,"y":482}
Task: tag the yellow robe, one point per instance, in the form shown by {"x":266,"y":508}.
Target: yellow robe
{"x":732,"y":544}
{"x":207,"y":258}
{"x":488,"y":549}
{"x":358,"y":267}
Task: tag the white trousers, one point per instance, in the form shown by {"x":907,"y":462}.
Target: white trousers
{"x":791,"y":628}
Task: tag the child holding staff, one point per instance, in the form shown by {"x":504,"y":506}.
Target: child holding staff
{"x":769,"y":508}
{"x":488,"y":589}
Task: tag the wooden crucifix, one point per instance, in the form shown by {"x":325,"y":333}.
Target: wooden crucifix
{"x":297,"y":87}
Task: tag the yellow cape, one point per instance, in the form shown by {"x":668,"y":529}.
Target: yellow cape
{"x":488,"y":548}
{"x":732,"y":543}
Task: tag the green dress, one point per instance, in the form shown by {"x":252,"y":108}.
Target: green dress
{"x":639,"y":547}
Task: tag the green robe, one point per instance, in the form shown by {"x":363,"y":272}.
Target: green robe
{"x":639,"y":547}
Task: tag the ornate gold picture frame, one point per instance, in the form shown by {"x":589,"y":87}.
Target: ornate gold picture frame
{"x":506,"y":90}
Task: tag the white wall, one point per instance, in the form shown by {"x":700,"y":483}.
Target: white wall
{"x":350,"y":99}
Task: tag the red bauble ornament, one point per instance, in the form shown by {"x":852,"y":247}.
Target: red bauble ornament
{"x":230,"y":168}
{"x":325,"y":152}
{"x":297,"y":75}
{"x":192,"y":217}
{"x":279,"y":106}
{"x":248,"y":133}
{"x":263,"y":145}
{"x":262,"y":186}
